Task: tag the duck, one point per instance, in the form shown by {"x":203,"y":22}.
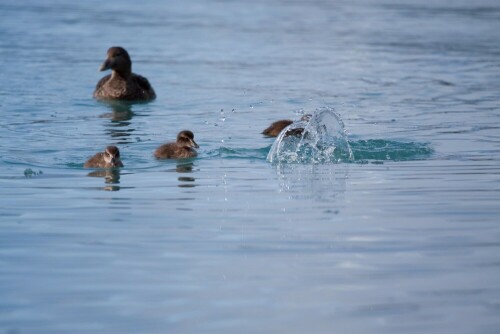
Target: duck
{"x":183,"y":147}
{"x":275,"y":128}
{"x":122,"y":84}
{"x":110,"y":158}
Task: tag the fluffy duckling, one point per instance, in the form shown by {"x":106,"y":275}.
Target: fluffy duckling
{"x":110,"y":158}
{"x":274,"y":129}
{"x":182,"y":148}
{"x":122,"y":84}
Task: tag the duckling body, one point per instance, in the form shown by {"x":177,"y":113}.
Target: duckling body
{"x":183,"y":147}
{"x":110,"y":158}
{"x":122,"y":84}
{"x":275,"y":128}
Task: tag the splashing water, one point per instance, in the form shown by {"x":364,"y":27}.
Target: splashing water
{"x":320,"y":138}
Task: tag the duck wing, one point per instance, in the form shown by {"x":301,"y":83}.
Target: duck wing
{"x":145,"y":85}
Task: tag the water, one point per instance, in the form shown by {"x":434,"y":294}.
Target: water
{"x":404,"y":239}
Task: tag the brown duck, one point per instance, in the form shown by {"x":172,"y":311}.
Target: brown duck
{"x":110,"y":158}
{"x":184,"y":147}
{"x":274,"y":129}
{"x":122,"y":84}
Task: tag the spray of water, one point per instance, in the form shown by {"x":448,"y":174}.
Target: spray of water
{"x":316,"y":138}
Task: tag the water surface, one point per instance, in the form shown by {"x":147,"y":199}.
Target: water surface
{"x":404,"y":239}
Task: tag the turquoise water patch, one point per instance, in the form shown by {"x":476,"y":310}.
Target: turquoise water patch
{"x":321,"y":138}
{"x":361,"y":151}
{"x":240,"y":153}
{"x":389,"y":150}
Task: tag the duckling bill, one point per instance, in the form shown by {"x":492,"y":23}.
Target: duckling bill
{"x":122,"y":84}
{"x":183,"y":147}
{"x":110,"y":158}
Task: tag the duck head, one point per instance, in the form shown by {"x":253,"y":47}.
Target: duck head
{"x":112,"y":156}
{"x":185,"y":138}
{"x":118,"y":61}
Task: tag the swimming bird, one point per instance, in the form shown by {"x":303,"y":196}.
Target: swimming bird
{"x":182,"y":148}
{"x":274,"y":129}
{"x":122,"y":84}
{"x":110,"y":158}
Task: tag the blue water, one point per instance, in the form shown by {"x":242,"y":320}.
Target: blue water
{"x":403,"y":238}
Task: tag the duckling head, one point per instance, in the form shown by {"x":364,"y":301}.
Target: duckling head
{"x":112,"y":156}
{"x":185,"y":138}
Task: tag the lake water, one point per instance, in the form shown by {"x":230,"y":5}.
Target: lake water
{"x":404,"y":238}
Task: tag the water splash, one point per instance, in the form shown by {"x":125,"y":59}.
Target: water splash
{"x":319,"y":138}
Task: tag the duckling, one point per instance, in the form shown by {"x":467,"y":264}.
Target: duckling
{"x":274,"y":129}
{"x":122,"y":84}
{"x":110,"y":158}
{"x":182,"y":148}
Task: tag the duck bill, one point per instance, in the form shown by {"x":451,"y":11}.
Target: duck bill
{"x":193,"y":144}
{"x":105,"y":66}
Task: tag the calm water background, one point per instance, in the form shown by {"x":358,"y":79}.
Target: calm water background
{"x":227,"y":242}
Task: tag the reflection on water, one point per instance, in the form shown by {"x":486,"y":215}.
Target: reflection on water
{"x":111,"y":178}
{"x":120,"y":115}
{"x":320,"y":182}
{"x":120,"y":111}
{"x":28,"y":172}
{"x":111,"y":188}
{"x":185,"y":167}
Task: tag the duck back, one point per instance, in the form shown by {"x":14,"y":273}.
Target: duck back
{"x":133,"y":88}
{"x":174,"y":151}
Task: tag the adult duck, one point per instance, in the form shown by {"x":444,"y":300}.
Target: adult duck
{"x":122,"y":84}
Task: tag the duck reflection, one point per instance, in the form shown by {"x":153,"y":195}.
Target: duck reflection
{"x":111,"y":178}
{"x":120,"y":115}
{"x":185,"y":168}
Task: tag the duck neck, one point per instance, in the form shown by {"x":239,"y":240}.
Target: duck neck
{"x":122,"y":73}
